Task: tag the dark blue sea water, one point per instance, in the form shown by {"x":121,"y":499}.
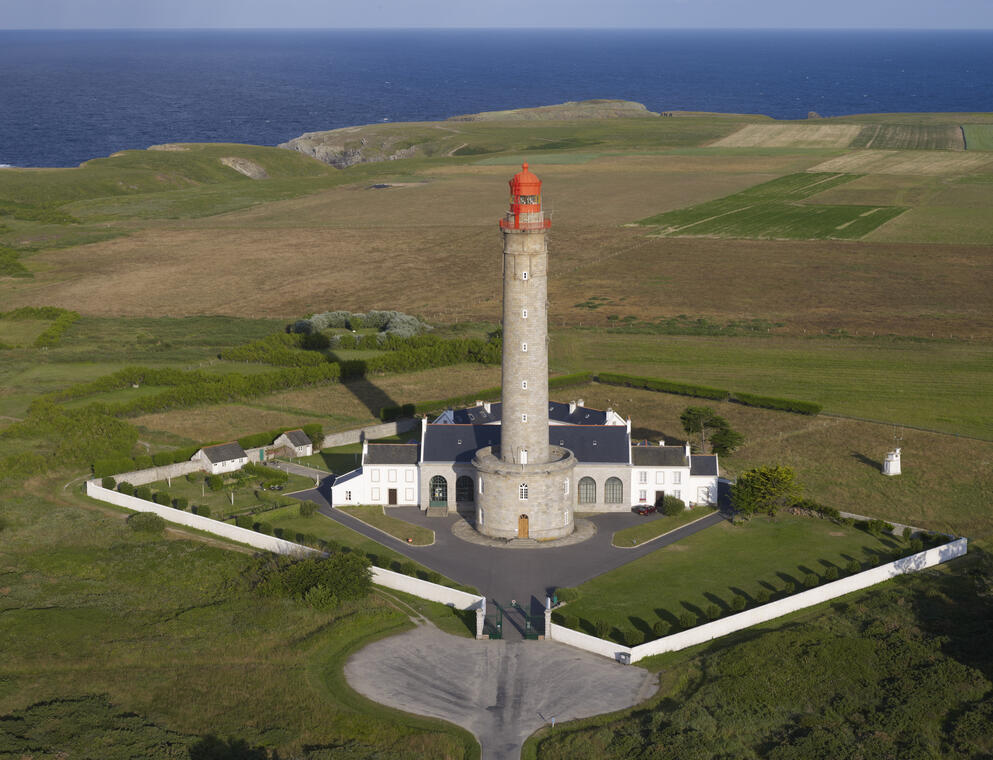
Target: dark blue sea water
{"x":69,"y":96}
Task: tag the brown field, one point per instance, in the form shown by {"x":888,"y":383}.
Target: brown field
{"x":925,"y":162}
{"x":838,"y":460}
{"x":972,"y":226}
{"x":224,"y":422}
{"x":791,"y":136}
{"x":910,"y":137}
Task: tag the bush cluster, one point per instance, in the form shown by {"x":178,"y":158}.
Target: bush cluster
{"x":61,"y":318}
{"x":393,"y":323}
{"x":279,"y":349}
{"x":146,"y":522}
{"x":671,"y":506}
{"x":323,"y":583}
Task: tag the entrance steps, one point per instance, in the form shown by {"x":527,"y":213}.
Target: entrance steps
{"x":523,"y":542}
{"x":437,"y":512}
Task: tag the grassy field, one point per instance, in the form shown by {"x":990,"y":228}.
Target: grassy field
{"x":909,"y":137}
{"x":377,"y":517}
{"x":713,"y":566}
{"x":235,"y":498}
{"x":770,"y":210}
{"x":655,"y":526}
{"x":978,"y":136}
{"x":166,"y":629}
{"x":838,"y":461}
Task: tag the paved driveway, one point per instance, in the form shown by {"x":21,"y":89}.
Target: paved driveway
{"x":501,"y":691}
{"x":502,"y":575}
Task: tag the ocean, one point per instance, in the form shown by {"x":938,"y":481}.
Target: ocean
{"x":69,"y":96}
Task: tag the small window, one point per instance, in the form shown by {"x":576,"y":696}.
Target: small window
{"x":524,"y":347}
{"x":643,"y":477}
{"x":375,"y":476}
{"x":348,"y":495}
{"x":524,"y":418}
{"x":522,"y":492}
{"x":677,"y":477}
{"x":642,"y":496}
{"x":524,"y":456}
{"x":524,"y":313}
{"x":480,"y":483}
{"x":565,"y":486}
{"x":660,"y":478}
{"x":524,"y":385}
{"x":524,"y":275}
{"x":678,"y":494}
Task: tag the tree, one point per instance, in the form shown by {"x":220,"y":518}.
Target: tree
{"x":725,"y":441}
{"x":765,"y":489}
{"x":711,"y":427}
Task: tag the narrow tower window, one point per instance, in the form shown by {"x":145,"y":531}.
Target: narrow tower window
{"x":523,"y":492}
{"x":524,"y":456}
{"x":524,"y":275}
{"x":524,"y":385}
{"x":524,"y":347}
{"x":524,"y":418}
{"x":524,"y":313}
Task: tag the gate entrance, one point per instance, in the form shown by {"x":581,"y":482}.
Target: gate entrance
{"x":522,"y":526}
{"x":493,"y":623}
{"x":534,"y":625}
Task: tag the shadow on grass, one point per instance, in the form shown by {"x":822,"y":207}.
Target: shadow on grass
{"x":863,"y":459}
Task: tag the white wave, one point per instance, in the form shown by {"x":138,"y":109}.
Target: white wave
{"x":6,"y":166}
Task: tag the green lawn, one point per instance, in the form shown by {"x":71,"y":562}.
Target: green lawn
{"x":657,"y":525}
{"x":99,"y":623}
{"x":716,"y":564}
{"x":940,"y":385}
{"x":220,"y":502}
{"x":772,"y":210}
{"x":377,"y":517}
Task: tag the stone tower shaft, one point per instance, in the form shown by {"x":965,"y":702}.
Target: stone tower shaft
{"x":524,"y":435}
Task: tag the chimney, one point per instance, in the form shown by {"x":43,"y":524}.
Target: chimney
{"x":486,"y":406}
{"x":580,"y":402}
{"x":572,"y":407}
{"x":687,"y":446}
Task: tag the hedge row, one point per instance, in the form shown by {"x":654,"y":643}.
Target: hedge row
{"x":782,"y":404}
{"x":53,"y":333}
{"x":194,"y":388}
{"x":280,"y":349}
{"x":664,"y":386}
{"x":390,"y":413}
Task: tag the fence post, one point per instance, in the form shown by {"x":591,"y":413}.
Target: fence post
{"x":548,"y":618}
{"x":480,"y":618}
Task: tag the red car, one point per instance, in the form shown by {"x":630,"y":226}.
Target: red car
{"x":646,"y":510}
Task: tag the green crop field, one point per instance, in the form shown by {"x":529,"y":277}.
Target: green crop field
{"x":978,"y":136}
{"x":771,"y":210}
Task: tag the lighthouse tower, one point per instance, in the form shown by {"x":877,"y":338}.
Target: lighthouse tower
{"x":525,"y":484}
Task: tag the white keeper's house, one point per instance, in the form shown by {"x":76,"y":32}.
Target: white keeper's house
{"x":612,"y":474}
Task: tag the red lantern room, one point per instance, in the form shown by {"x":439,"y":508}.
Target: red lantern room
{"x":525,"y":198}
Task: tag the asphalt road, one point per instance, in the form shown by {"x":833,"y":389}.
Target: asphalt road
{"x":503,"y":575}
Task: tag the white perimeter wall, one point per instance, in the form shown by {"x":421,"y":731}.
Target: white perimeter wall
{"x":398,"y":581}
{"x":766,"y":612}
{"x":369,"y":433}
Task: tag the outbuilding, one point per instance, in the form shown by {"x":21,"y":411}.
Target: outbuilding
{"x":224,"y":457}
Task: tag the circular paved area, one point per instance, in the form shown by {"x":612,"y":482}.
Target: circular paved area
{"x":463,"y":529}
{"x":501,"y":691}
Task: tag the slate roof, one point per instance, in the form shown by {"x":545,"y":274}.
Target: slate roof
{"x":590,"y":443}
{"x":224,"y":452}
{"x":391,"y":453}
{"x":346,"y":477}
{"x":297,"y":437}
{"x":476,"y":415}
{"x":659,"y":456}
{"x":703,"y":464}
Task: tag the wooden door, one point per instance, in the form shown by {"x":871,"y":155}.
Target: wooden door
{"x":392,"y":497}
{"x":659,"y":498}
{"x":522,"y":526}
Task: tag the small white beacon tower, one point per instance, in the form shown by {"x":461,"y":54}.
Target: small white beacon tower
{"x":891,"y":465}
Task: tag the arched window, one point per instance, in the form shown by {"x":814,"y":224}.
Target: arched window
{"x":439,"y":491}
{"x":523,"y":492}
{"x":464,"y":490}
{"x":587,"y":491}
{"x":613,"y":491}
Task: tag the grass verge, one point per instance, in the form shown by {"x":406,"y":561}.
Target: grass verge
{"x":655,"y":526}
{"x":375,"y":515}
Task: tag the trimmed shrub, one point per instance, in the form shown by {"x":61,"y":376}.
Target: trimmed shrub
{"x":408,"y":568}
{"x":263,"y":527}
{"x":565,"y":381}
{"x":781,"y":404}
{"x":876,"y":528}
{"x":789,"y":589}
{"x":907,"y":533}
{"x":661,"y":628}
{"x":146,"y":522}
{"x":663,"y":386}
{"x":810,"y":580}
{"x":163,"y":498}
{"x":143,"y":492}
{"x":143,"y":462}
{"x":202,"y":510}
{"x":634,"y":638}
{"x":671,"y":506}
{"x":687,"y":620}
{"x":125,"y":488}
{"x":854,"y":566}
{"x":762,"y":596}
{"x":243,"y":521}
{"x":916,"y":545}
{"x":738,"y":602}
{"x":713,"y":611}
{"x":215,"y":482}
{"x":307,"y":508}
{"x":180,"y":502}
{"x":108,"y":482}
{"x":874,"y":560}
{"x":831,"y":574}
{"x":601,"y":628}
